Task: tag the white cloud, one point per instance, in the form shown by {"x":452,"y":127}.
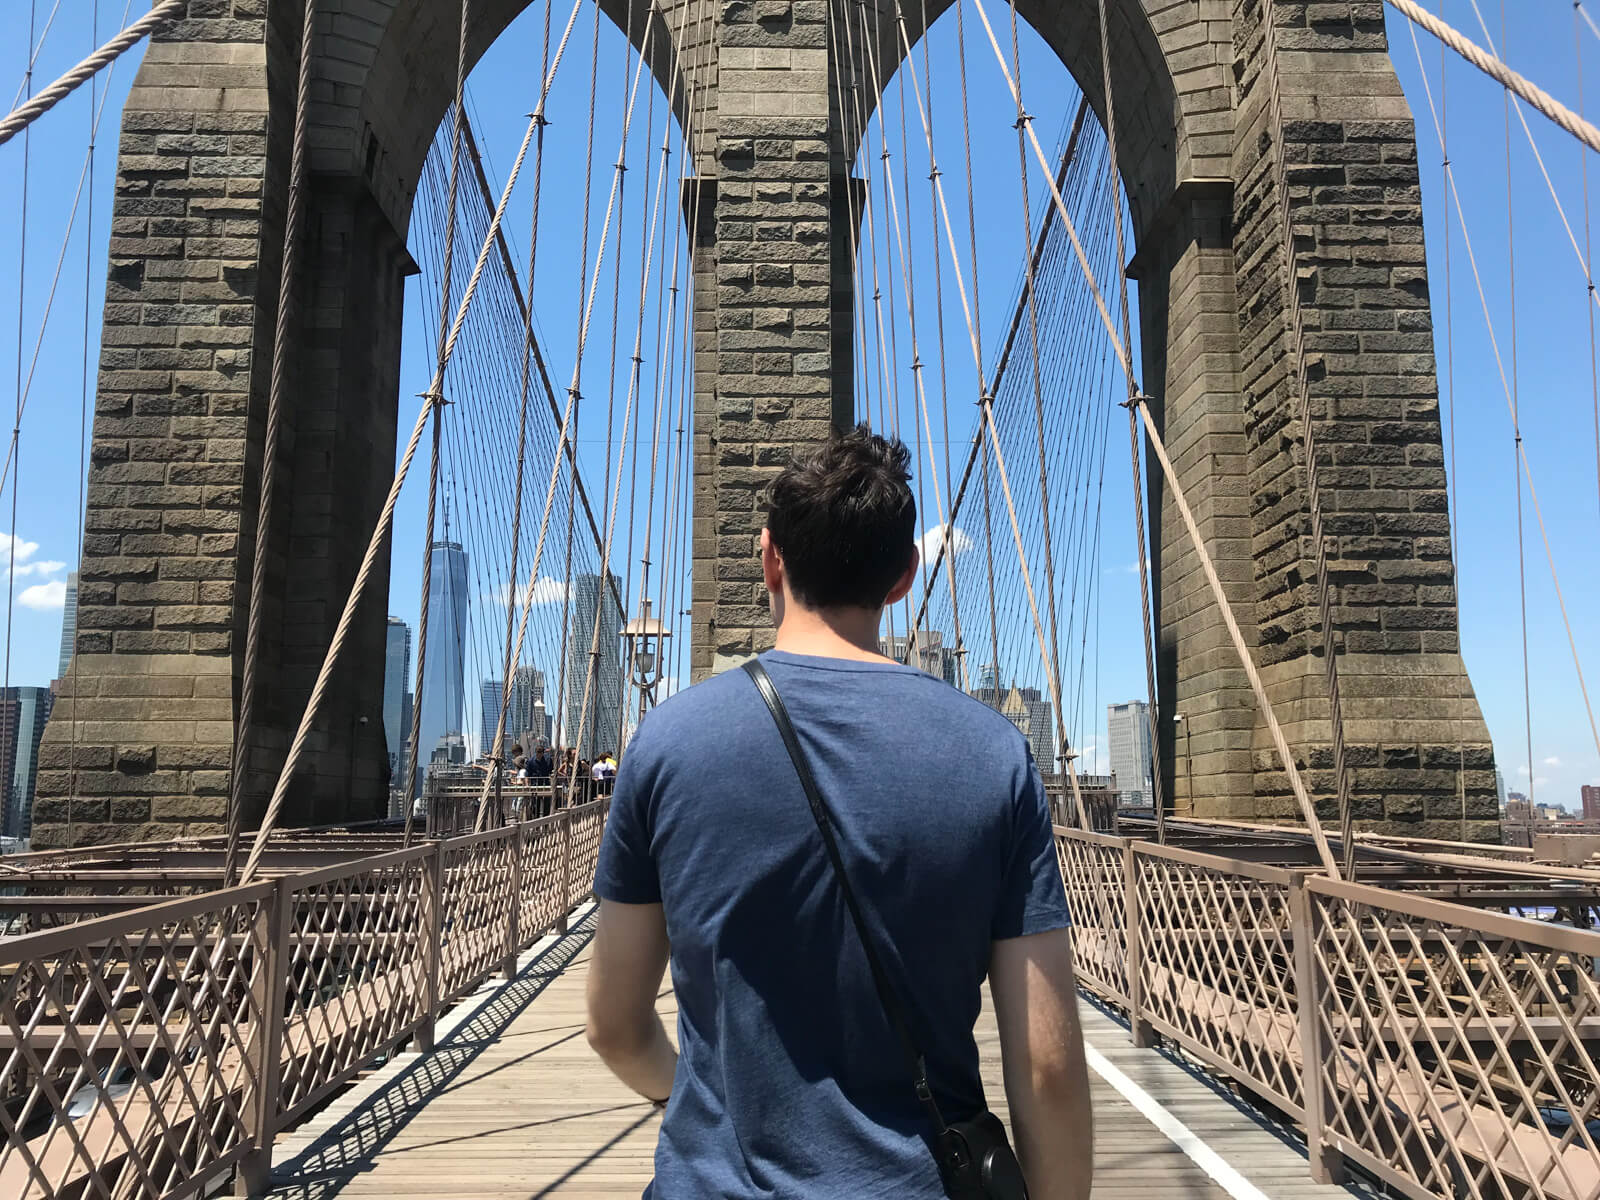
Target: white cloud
{"x":1552,"y":761}
{"x":549,"y":591}
{"x":932,"y":539}
{"x":44,"y":595}
{"x":1522,"y":770}
{"x":21,"y":547}
{"x":545,"y":591}
{"x":16,"y":555}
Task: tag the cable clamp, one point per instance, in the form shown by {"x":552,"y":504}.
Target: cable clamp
{"x":1023,"y":117}
{"x":436,"y":397}
{"x":885,"y":154}
{"x":1138,"y":399}
{"x":935,"y":173}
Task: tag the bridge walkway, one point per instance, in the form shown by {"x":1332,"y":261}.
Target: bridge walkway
{"x":513,"y":1103}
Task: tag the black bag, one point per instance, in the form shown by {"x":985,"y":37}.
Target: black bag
{"x":975,"y":1160}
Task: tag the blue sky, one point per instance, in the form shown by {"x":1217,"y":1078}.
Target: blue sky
{"x":1553,"y":382}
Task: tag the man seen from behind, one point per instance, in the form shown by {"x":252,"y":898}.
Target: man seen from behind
{"x":789,"y":1080}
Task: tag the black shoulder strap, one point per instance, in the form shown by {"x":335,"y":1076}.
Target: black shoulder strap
{"x":819,"y":811}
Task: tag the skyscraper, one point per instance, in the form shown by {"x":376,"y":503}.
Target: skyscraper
{"x":23,"y":712}
{"x":595,"y":664}
{"x":524,"y":723}
{"x":1591,"y":802}
{"x":396,"y":688}
{"x":444,"y":696}
{"x":1128,"y":732}
{"x":69,"y":625}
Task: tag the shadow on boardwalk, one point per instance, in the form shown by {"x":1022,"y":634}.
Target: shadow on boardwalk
{"x":321,"y":1169}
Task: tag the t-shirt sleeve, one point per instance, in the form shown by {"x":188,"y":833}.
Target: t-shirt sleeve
{"x":1032,"y":896}
{"x":626,"y":870}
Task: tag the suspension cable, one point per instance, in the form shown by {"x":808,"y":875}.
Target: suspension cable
{"x":21,"y":117}
{"x":288,"y":271}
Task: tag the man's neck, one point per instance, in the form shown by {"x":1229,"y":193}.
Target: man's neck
{"x":850,"y":633}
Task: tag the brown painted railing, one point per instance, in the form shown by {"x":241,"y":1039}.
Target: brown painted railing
{"x":1446,"y":1050}
{"x":148,"y":1052}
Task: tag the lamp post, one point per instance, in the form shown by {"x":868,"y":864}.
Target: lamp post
{"x":1188,"y":762}
{"x":644,"y":638}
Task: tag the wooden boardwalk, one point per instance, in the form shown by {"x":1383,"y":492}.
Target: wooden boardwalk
{"x":514,"y":1104}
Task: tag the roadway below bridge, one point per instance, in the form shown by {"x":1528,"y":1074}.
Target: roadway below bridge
{"x":513,"y":1103}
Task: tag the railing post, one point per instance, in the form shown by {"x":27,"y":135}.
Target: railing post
{"x":432,"y":943}
{"x":1133,"y":924}
{"x":566,"y":870}
{"x":268,"y":989}
{"x":508,"y":968}
{"x":1327,"y":1164}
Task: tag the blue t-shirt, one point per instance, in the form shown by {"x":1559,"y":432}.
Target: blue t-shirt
{"x":790,"y":1080}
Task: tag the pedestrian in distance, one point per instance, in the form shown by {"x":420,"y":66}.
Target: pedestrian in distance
{"x":833,"y":851}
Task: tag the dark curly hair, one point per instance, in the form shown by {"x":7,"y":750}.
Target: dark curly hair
{"x":843,"y":517}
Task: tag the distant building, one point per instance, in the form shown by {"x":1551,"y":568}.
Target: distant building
{"x":526,"y":722}
{"x":23,"y":713}
{"x":69,"y":625}
{"x":594,"y":666}
{"x":1128,"y":733}
{"x":1591,"y":801}
{"x":1500,"y":787}
{"x":1031,"y":713}
{"x":396,"y":693}
{"x":927,"y":652}
{"x":443,"y":700}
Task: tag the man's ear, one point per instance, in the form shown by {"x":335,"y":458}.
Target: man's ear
{"x":903,"y":585}
{"x":771,"y":563}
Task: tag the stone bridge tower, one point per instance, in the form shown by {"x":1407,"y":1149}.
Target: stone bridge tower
{"x":1264,"y":146}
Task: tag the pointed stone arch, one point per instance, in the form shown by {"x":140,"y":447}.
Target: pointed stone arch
{"x":1231,"y":113}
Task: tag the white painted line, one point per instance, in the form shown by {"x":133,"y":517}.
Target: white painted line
{"x":1207,"y":1159}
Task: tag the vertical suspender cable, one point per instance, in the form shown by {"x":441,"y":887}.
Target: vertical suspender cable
{"x":512,"y":660}
{"x":977,"y":338}
{"x":1516,"y":424}
{"x":1147,"y":632}
{"x":1450,"y":408}
{"x":435,"y":399}
{"x":83,"y":401}
{"x":12,"y":727}
{"x":1588,"y":251}
{"x":1054,"y":665}
{"x":289,"y":267}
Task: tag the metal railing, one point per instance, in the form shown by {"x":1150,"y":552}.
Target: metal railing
{"x":148,"y":1052}
{"x":1446,"y":1050}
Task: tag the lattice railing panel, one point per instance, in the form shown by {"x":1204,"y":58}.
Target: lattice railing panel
{"x":355,"y":963}
{"x":1458,"y":1050}
{"x":128,"y":1056}
{"x":478,"y":899}
{"x":1092,"y":870}
{"x":543,"y":897}
{"x":1216,"y":965}
{"x":588,"y":821}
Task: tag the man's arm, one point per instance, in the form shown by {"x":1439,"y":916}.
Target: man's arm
{"x":627,"y":961}
{"x":1041,"y":1053}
